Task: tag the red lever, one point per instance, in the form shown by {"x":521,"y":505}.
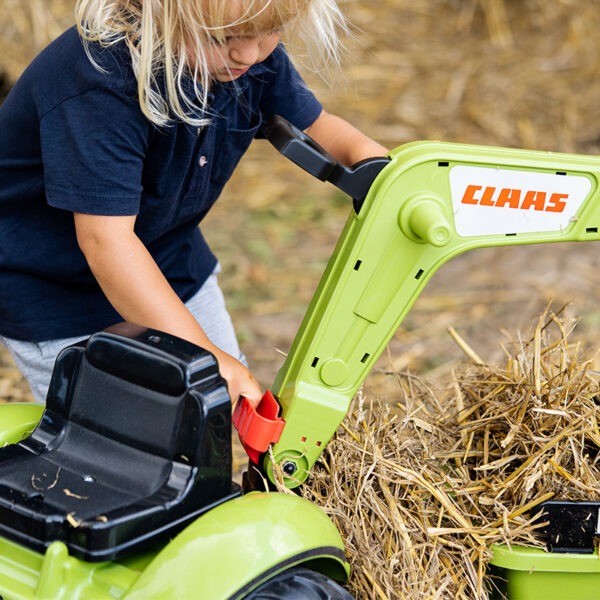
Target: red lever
{"x":258,"y":427}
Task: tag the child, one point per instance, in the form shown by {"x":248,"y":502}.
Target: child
{"x":115,"y":143}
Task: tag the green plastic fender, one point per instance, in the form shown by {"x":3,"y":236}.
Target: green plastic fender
{"x":18,"y":420}
{"x":233,"y":548}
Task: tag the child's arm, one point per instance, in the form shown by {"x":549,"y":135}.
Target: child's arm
{"x":139,"y":292}
{"x":342,"y":140}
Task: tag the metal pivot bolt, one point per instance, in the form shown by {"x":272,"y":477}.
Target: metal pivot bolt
{"x":289,"y":468}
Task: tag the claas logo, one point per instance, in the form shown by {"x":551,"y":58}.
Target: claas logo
{"x":514,"y":198}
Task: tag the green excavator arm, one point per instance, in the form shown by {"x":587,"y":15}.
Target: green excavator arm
{"x":425,"y":203}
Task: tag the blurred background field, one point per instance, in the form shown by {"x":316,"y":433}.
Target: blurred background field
{"x":522,"y":73}
{"x":518,"y":73}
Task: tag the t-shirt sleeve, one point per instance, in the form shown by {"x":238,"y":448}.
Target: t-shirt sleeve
{"x":93,"y":148}
{"x":287,"y":95}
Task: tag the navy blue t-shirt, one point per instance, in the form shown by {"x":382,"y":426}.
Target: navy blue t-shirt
{"x":74,"y":139}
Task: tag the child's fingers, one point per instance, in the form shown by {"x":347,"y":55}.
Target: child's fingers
{"x":251,"y":391}
{"x":240,"y":382}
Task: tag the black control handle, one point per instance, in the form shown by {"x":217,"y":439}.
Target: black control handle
{"x":307,"y":154}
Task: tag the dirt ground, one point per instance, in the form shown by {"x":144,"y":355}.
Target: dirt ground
{"x":520,"y":73}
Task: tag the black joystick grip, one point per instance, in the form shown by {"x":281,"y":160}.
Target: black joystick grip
{"x":307,"y":154}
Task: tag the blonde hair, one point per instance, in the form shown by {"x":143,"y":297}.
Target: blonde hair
{"x":167,"y":41}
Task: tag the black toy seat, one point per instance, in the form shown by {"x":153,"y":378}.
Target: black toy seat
{"x":134,"y":444}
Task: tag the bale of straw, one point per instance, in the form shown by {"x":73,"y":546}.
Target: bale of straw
{"x":422,"y":488}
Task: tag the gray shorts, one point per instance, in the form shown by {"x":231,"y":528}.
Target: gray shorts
{"x":35,"y":360}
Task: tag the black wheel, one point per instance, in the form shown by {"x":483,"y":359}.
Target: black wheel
{"x":299,"y":584}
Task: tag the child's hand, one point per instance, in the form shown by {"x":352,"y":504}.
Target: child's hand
{"x":239,"y":379}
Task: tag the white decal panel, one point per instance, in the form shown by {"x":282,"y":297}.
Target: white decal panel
{"x":488,"y":201}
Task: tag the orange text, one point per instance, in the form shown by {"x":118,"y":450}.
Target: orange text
{"x":515,"y":198}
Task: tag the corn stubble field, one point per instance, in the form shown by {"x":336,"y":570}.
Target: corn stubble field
{"x":448,"y":446}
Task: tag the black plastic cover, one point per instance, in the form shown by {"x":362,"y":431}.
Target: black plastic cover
{"x":134,"y":444}
{"x":302,"y":150}
{"x":572,"y":526}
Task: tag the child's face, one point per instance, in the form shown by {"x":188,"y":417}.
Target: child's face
{"x":231,"y":60}
{"x":246,"y":42}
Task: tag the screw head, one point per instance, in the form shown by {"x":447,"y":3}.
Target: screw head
{"x":289,"y":468}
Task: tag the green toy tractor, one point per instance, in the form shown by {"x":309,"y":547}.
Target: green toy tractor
{"x":121,"y":487}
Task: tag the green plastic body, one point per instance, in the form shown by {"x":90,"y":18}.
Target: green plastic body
{"x":413,"y":221}
{"x":532,"y":574}
{"x":18,"y":420}
{"x":222,"y":555}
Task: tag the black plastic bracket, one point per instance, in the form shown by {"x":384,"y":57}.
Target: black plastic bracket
{"x":302,"y":150}
{"x":572,"y":526}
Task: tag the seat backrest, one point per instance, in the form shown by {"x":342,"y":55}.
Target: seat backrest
{"x":130,"y":384}
{"x":138,"y":425}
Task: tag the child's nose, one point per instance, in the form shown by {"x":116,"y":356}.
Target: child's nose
{"x":244,"y":50}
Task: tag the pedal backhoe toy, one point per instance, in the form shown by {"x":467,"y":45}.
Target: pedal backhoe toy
{"x":121,"y":487}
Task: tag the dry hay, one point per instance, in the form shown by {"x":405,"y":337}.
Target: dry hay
{"x":422,"y":489}
{"x":497,"y":72}
{"x":26,"y":27}
{"x":13,"y":387}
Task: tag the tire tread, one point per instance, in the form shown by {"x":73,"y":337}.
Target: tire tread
{"x":299,"y":584}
